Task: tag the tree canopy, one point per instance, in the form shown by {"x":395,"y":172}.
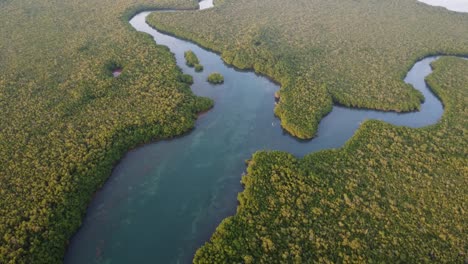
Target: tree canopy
{"x":391,"y":194}
{"x":353,"y":53}
{"x":215,"y":78}
{"x":65,"y":121}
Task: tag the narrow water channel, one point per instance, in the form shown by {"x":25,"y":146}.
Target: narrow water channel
{"x":165,"y":199}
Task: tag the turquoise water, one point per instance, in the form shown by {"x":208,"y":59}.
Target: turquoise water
{"x":165,"y":199}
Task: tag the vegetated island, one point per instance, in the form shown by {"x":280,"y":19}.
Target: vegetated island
{"x":384,"y":197}
{"x":198,"y":68}
{"x":191,"y":60}
{"x":215,"y":78}
{"x":353,"y":53}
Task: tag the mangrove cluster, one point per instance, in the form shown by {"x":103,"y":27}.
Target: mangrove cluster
{"x":353,"y":53}
{"x":192,"y":60}
{"x":215,"y":78}
{"x":390,"y":195}
{"x":65,"y":120}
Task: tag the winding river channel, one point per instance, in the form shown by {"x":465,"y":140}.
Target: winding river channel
{"x":165,"y":199}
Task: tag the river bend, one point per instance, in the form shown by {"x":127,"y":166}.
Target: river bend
{"x":165,"y":199}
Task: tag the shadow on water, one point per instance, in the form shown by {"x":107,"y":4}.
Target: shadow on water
{"x":165,"y":199}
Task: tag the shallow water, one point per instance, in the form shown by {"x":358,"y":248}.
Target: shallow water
{"x":165,"y":199}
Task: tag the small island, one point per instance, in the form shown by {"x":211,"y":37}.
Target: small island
{"x":190,"y":58}
{"x":192,"y":61}
{"x":198,"y":67}
{"x":215,"y":78}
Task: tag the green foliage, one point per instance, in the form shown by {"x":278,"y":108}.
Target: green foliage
{"x":354,"y":53}
{"x":65,"y":121}
{"x":390,"y":195}
{"x":198,"y":67}
{"x":191,"y":59}
{"x":186,"y":78}
{"x":215,"y":78}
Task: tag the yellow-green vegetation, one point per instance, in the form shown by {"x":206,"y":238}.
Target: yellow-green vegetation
{"x":215,"y":78}
{"x":353,"y":53}
{"x":390,"y":195}
{"x":191,"y":60}
{"x":198,"y":68}
{"x":65,"y":121}
{"x":186,"y":78}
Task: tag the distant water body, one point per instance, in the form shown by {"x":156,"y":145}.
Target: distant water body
{"x":165,"y":199}
{"x":452,"y":5}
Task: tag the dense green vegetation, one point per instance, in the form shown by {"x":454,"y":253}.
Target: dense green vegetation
{"x":186,"y":78}
{"x":65,"y":121}
{"x":191,"y":59}
{"x":353,"y":53}
{"x":198,"y":68}
{"x":391,"y":195}
{"x":215,"y":78}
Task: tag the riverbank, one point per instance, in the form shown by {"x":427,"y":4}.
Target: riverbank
{"x":66,"y":121}
{"x":347,"y":61}
{"x":383,"y":197}
{"x":144,"y":205}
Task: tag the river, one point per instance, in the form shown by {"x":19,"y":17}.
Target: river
{"x":165,"y":199}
